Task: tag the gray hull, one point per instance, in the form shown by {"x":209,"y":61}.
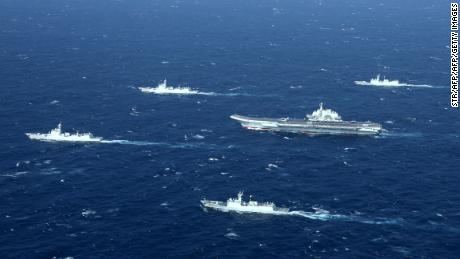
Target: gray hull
{"x":309,"y":127}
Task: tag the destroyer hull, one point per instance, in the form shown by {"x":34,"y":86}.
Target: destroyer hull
{"x":309,"y":127}
{"x":221,"y":206}
{"x":41,"y":137}
{"x":365,"y":83}
{"x":166,"y":91}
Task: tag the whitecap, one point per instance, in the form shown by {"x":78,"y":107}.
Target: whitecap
{"x":198,"y":136}
{"x":235,"y":88}
{"x":270,"y":167}
{"x":50,"y":171}
{"x":134,"y":112}
{"x":23,"y":56}
{"x":87,"y":212}
{"x":273,"y":166}
{"x":231,"y":235}
{"x":14,"y":175}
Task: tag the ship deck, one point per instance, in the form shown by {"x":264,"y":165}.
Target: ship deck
{"x":303,"y":123}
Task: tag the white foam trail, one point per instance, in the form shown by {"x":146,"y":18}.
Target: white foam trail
{"x":135,"y":143}
{"x":150,"y":143}
{"x":232,"y":94}
{"x":421,"y":86}
{"x":128,"y":142}
{"x":389,"y":134}
{"x":324,"y":215}
{"x":14,"y":175}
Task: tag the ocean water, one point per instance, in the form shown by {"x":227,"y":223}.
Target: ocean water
{"x":80,"y":63}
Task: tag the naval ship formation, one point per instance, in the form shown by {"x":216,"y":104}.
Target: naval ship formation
{"x":321,"y":121}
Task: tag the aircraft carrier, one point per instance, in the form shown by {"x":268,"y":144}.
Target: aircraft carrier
{"x":320,"y":122}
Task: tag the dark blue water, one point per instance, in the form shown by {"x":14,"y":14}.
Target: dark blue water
{"x":79,"y":62}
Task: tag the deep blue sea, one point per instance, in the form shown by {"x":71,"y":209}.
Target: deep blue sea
{"x":80,"y":62}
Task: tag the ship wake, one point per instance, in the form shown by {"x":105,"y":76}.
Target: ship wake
{"x":161,"y":144}
{"x":324,"y":215}
{"x":389,"y":134}
{"x":196,"y":145}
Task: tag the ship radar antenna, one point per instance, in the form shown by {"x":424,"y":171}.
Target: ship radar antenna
{"x":240,"y":195}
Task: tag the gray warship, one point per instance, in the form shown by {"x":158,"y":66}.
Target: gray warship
{"x":320,"y":122}
{"x":240,"y":206}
